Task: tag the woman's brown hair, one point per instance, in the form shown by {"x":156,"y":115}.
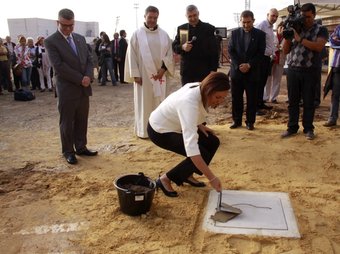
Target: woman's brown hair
{"x":214,"y":82}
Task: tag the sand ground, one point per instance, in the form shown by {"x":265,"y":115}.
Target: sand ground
{"x":48,"y":206}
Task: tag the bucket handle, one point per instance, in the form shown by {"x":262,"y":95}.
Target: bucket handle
{"x":143,"y":177}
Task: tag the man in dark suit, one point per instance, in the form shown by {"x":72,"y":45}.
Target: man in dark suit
{"x":196,"y":43}
{"x":96,"y":49}
{"x":115,"y":53}
{"x":122,"y":52}
{"x":246,"y":48}
{"x":72,"y":62}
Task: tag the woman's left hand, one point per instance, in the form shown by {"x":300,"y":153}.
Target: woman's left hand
{"x":205,"y":130}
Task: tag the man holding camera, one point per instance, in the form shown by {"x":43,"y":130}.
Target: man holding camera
{"x":304,"y":60}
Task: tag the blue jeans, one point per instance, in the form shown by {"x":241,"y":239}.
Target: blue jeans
{"x":108,"y":66}
{"x":26,"y":77}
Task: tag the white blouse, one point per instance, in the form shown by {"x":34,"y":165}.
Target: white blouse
{"x":181,"y":112}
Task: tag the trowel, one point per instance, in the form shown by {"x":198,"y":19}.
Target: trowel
{"x":224,"y":212}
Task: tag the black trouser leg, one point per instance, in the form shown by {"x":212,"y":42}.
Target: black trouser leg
{"x":237,"y":90}
{"x":174,"y":142}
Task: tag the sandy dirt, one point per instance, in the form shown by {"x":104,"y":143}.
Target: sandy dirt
{"x":49,"y":206}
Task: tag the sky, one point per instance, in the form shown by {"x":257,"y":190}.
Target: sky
{"x":113,"y":15}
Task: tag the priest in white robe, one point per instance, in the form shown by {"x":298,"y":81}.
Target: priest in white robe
{"x":149,"y":61}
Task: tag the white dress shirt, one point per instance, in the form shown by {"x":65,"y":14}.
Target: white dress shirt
{"x":181,"y":112}
{"x":266,"y":27}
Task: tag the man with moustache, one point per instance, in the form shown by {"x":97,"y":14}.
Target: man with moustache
{"x":246,"y":48}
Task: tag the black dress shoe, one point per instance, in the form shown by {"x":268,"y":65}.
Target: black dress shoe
{"x":250,"y":126}
{"x":260,"y":113}
{"x":195,"y":184}
{"x":288,"y":134}
{"x":71,"y":159}
{"x":171,"y":194}
{"x":235,"y":125}
{"x":87,"y":152}
{"x":264,"y":106}
{"x":329,"y":124}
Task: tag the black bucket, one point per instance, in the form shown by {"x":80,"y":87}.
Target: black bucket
{"x":135,"y":193}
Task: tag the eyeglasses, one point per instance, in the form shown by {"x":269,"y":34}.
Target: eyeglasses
{"x":64,"y":26}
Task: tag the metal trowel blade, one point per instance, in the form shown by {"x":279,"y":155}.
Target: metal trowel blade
{"x":230,"y":209}
{"x":225,"y":207}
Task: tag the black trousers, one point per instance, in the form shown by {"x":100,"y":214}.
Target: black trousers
{"x":73,"y":124}
{"x":121,"y":66}
{"x":238,"y":87}
{"x":301,"y":85}
{"x":173,"y":141}
{"x":35,"y":81}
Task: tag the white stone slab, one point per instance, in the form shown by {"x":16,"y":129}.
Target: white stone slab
{"x":263,"y":213}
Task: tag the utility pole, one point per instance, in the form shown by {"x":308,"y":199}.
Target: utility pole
{"x":247,"y":4}
{"x":117,"y":22}
{"x":237,"y":18}
{"x":136,"y":6}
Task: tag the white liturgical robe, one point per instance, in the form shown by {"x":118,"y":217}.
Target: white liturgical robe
{"x":146,"y":53}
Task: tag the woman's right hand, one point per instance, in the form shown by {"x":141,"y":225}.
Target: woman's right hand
{"x":216,"y":184}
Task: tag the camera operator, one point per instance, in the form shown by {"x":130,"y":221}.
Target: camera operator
{"x":304,"y":60}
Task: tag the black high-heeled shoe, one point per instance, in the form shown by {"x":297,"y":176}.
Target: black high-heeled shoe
{"x":171,"y":194}
{"x":198,"y":184}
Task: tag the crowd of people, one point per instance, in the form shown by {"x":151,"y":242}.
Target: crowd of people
{"x":109,"y":57}
{"x":26,"y":63}
{"x":177,"y":122}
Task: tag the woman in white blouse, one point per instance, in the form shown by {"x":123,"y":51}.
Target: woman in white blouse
{"x":178,"y":125}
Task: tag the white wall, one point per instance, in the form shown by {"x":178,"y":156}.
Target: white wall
{"x":34,"y":27}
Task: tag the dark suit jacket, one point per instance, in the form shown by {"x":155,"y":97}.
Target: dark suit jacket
{"x":97,"y":47}
{"x":203,"y":58}
{"x":253,"y":55}
{"x":70,"y":68}
{"x":122,"y":48}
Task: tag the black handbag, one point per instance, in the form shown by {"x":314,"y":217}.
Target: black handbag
{"x":23,"y":95}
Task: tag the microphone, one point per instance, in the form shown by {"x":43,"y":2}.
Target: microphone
{"x":194,"y":38}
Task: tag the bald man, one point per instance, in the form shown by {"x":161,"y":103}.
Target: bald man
{"x":269,"y":54}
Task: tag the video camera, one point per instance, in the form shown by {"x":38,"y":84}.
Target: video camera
{"x":294,"y":20}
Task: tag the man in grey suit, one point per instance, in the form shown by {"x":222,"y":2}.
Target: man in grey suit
{"x":72,"y":62}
